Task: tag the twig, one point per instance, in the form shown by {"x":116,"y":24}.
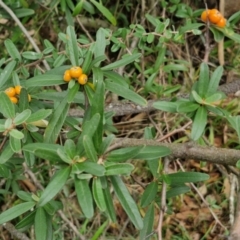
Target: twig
{"x":207,"y":38}
{"x":163,"y":207}
{"x":221,"y":43}
{"x":188,"y":150}
{"x":14,"y":232}
{"x":125,"y":108}
{"x":235,"y":231}
{"x":73,"y":227}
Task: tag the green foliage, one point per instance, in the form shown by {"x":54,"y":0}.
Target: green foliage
{"x":83,"y":152}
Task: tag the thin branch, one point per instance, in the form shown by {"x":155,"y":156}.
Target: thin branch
{"x":73,"y":227}
{"x":163,"y":207}
{"x":189,"y":150}
{"x":125,"y":108}
{"x":14,"y":232}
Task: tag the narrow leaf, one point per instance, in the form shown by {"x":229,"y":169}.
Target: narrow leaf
{"x":22,"y":117}
{"x":12,"y":50}
{"x":106,"y":13}
{"x":6,"y":106}
{"x":72,"y":46}
{"x":56,"y":122}
{"x":148,"y":222}
{"x":127,"y":201}
{"x":199,"y":123}
{"x":125,"y":93}
{"x":186,"y":177}
{"x":119,"y":169}
{"x":84,"y":197}
{"x":122,"y":62}
{"x":166,"y":106}
{"x":55,"y":185}
{"x":98,"y":194}
{"x":203,"y":82}
{"x":15,"y":211}
{"x":89,"y":148}
{"x":40,"y":224}
{"x":6,"y":73}
{"x":149,"y":194}
{"x":214,"y":81}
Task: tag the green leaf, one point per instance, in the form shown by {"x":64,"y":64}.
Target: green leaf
{"x":106,"y":13}
{"x":197,"y":98}
{"x":153,"y":152}
{"x":98,"y":107}
{"x":100,"y":44}
{"x":25,"y":196}
{"x":89,"y":148}
{"x":175,"y":191}
{"x":78,"y":8}
{"x":127,"y":201}
{"x":22,"y":117}
{"x":44,"y":80}
{"x":123,"y":154}
{"x":218,"y":36}
{"x":40,"y":224}
{"x":115,"y":77}
{"x":23,"y":101}
{"x":89,"y":128}
{"x":89,"y":167}
{"x":39,"y":115}
{"x":56,"y":121}
{"x":118,"y":169}
{"x":203,"y":82}
{"x":174,"y":67}
{"x":43,"y":150}
{"x":87,"y":61}
{"x":214,"y":98}
{"x":54,"y":187}
{"x":72,"y":92}
{"x":109,"y":204}
{"x":6,"y":153}
{"x":70,"y":148}
{"x":32,"y":55}
{"x":15,"y":144}
{"x":148,"y":222}
{"x":186,"y":107}
{"x":100,"y":230}
{"x":166,"y":106}
{"x":59,"y":61}
{"x":12,"y":50}
{"x":106,"y":143}
{"x":84,"y":197}
{"x":27,"y":221}
{"x":125,"y":93}
{"x":72,"y":46}
{"x":149,"y":194}
{"x":199,"y":123}
{"x":214,"y":81}
{"x":186,"y":177}
{"x":6,"y":106}
{"x":15,"y":211}
{"x":16,"y":134}
{"x":98,"y":194}
{"x":6,"y":73}
{"x":64,"y":156}
{"x":122,"y":62}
